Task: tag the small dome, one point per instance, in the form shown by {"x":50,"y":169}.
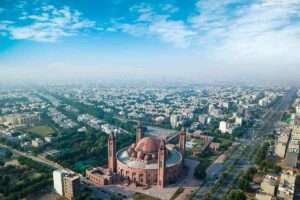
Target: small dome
{"x":140,"y":155}
{"x":130,"y":150}
{"x":148,"y":145}
{"x":154,"y":156}
{"x":125,"y":154}
{"x":148,"y":157}
{"x":133,"y":154}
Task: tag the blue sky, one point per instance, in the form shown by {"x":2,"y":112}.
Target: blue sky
{"x":179,"y":39}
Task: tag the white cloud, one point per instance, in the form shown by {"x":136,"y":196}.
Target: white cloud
{"x":144,"y":11}
{"x":261,"y":33}
{"x":133,"y":29}
{"x":150,"y":23}
{"x":49,"y":24}
{"x":174,"y":32}
{"x":170,"y":8}
{"x":219,"y":24}
{"x":234,"y":38}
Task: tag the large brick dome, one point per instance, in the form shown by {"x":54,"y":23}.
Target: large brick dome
{"x":148,"y":145}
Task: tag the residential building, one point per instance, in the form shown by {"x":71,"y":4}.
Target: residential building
{"x":286,"y":187}
{"x":71,"y":186}
{"x":66,"y":184}
{"x":267,"y":188}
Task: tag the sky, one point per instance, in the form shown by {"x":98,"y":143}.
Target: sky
{"x":199,"y":40}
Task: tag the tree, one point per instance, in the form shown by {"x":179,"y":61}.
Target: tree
{"x":2,"y":163}
{"x":200,"y":171}
{"x":235,"y":195}
{"x":244,"y":184}
{"x":261,"y":154}
{"x":114,"y":197}
{"x":8,"y":154}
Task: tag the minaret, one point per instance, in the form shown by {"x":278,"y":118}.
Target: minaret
{"x":162,"y":154}
{"x":112,"y":162}
{"x":139,"y":132}
{"x":182,"y":142}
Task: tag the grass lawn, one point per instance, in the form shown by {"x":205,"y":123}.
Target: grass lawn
{"x":139,"y":196}
{"x":41,"y":130}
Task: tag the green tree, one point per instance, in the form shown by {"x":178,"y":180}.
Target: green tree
{"x":244,"y":184}
{"x":200,"y":171}
{"x":235,"y":195}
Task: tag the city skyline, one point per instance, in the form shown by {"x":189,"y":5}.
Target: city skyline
{"x":200,"y":40}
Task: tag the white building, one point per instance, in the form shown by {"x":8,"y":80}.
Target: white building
{"x":224,"y":127}
{"x":238,"y":121}
{"x":211,"y":108}
{"x":298,"y":109}
{"x":58,"y":178}
{"x":174,"y":120}
{"x":66,"y":183}
{"x":37,"y":142}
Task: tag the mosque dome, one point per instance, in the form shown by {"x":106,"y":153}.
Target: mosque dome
{"x":148,"y":145}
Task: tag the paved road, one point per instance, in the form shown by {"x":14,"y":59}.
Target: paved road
{"x":39,"y":159}
{"x":244,"y":162}
{"x":98,"y":190}
{"x":240,"y":160}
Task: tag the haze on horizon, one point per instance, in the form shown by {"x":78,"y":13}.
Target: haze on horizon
{"x":207,"y":40}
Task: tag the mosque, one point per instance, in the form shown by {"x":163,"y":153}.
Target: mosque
{"x":149,"y":161}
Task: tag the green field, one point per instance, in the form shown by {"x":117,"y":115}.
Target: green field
{"x":41,"y":130}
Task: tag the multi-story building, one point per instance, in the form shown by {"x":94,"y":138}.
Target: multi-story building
{"x":292,"y":154}
{"x":66,"y":184}
{"x":238,"y":121}
{"x":71,"y":186}
{"x":174,"y":120}
{"x":286,"y":187}
{"x":282,"y":144}
{"x":225,"y":127}
{"x":267,"y":188}
{"x":58,"y":178}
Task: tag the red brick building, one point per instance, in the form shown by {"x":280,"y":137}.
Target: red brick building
{"x":148,"y":161}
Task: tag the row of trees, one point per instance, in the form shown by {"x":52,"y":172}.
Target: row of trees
{"x":235,"y":194}
{"x":266,"y":163}
{"x":204,"y":162}
{"x":243,"y":185}
{"x":246,"y":179}
{"x":200,"y":171}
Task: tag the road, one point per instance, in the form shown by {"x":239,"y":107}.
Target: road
{"x":39,"y":159}
{"x":97,"y":190}
{"x":240,"y":160}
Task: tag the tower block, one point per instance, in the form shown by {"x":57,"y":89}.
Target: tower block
{"x":162,"y":154}
{"x":112,"y":162}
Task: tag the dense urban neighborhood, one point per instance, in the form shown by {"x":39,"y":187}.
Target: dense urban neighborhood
{"x":238,"y":142}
